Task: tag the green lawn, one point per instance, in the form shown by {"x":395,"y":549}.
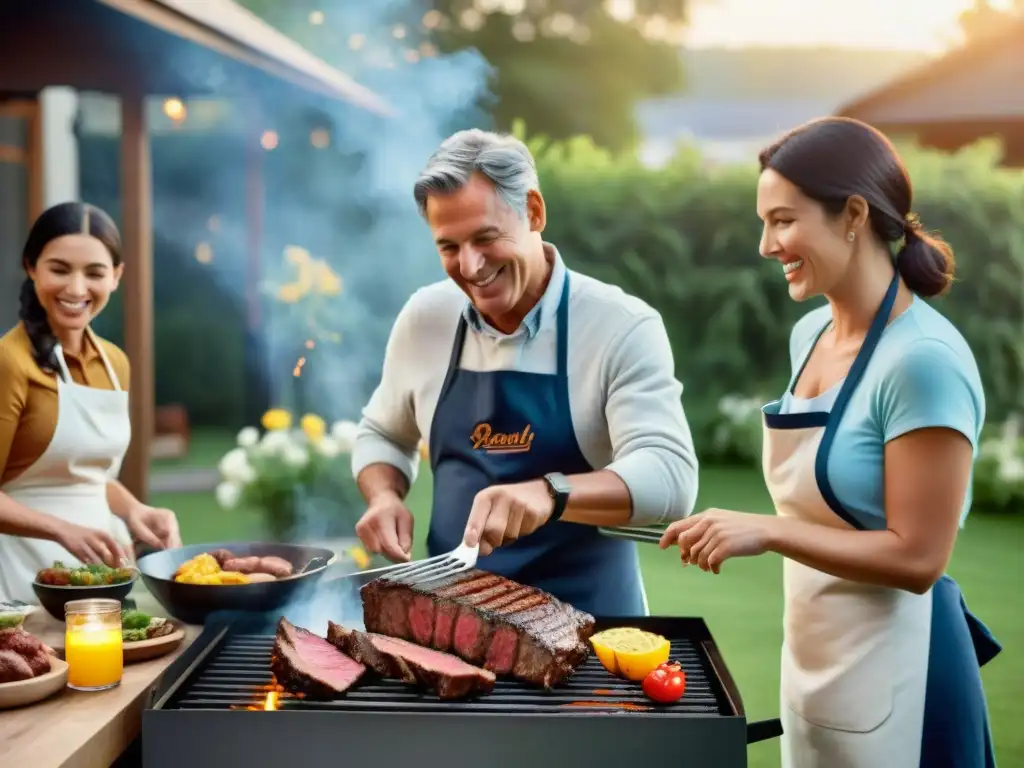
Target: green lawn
{"x":205,"y":450}
{"x":743,"y":605}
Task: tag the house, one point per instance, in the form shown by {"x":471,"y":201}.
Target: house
{"x":737,"y":100}
{"x":53,"y":50}
{"x":972,"y":92}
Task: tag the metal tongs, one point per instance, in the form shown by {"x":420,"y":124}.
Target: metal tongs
{"x":650,"y":534}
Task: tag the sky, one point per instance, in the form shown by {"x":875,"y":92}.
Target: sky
{"x":923,"y":25}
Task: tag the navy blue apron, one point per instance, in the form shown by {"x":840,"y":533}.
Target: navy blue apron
{"x":503,"y":427}
{"x":956,"y":731}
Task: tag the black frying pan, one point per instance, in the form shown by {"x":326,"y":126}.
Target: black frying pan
{"x":192,"y":603}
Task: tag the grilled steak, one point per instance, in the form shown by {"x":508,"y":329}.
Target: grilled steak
{"x":484,"y":619}
{"x":305,"y":663}
{"x":449,"y":676}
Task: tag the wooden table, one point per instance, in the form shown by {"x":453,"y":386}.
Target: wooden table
{"x":75,"y":728}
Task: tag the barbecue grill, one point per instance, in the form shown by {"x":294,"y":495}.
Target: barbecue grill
{"x":212,"y":710}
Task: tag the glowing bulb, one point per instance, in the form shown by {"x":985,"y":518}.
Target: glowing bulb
{"x":269,"y":140}
{"x":320,"y":138}
{"x":357,"y":41}
{"x":175,"y":109}
{"x":398,"y":31}
{"x":316,"y":18}
{"x":432,"y":19}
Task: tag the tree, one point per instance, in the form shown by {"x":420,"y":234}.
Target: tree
{"x":566,"y":67}
{"x":982,"y":19}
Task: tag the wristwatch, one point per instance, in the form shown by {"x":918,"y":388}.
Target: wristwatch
{"x":559,"y":488}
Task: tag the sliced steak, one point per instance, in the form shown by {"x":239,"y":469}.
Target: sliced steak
{"x":449,"y":676}
{"x":484,"y":619}
{"x":305,"y":663}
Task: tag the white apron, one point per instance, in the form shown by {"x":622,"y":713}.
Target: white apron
{"x":855,"y":656}
{"x":69,"y":481}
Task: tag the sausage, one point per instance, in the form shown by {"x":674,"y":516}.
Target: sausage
{"x":241,"y":564}
{"x":255,"y":578}
{"x":275,"y":566}
{"x":222,"y":556}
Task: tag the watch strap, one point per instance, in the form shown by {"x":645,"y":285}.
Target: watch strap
{"x":559,"y":488}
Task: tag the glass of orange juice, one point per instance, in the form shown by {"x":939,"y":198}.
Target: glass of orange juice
{"x":92,"y":644}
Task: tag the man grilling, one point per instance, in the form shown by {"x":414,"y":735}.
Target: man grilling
{"x":548,"y":400}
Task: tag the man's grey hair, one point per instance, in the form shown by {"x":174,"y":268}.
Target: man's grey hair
{"x":503,"y":159}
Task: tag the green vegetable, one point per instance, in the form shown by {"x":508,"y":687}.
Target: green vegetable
{"x":135,"y":620}
{"x":133,"y":635}
{"x":11,"y":620}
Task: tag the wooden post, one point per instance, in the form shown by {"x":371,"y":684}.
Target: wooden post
{"x":256,"y":387}
{"x":137,"y":231}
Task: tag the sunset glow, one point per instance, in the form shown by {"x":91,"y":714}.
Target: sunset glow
{"x":925,"y":25}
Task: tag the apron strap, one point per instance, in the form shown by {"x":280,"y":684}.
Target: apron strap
{"x":62,"y":364}
{"x":860,"y":364}
{"x":106,"y":361}
{"x":563,"y":329}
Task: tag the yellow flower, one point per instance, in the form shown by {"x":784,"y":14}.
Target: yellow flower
{"x":360,"y":558}
{"x":290,"y":293}
{"x":424,"y":450}
{"x":328,"y":282}
{"x":276,"y":419}
{"x":314,"y":427}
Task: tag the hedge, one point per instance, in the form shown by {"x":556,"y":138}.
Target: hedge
{"x":684,"y":238}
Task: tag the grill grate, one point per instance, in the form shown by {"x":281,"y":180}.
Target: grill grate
{"x":238,"y":677}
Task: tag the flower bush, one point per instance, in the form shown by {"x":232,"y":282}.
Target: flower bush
{"x":999,"y":471}
{"x":297,"y":477}
{"x":735,"y":432}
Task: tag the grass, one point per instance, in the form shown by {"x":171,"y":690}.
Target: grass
{"x":205,"y":450}
{"x":743,"y":605}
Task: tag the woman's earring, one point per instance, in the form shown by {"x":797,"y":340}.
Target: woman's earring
{"x":851,"y":237}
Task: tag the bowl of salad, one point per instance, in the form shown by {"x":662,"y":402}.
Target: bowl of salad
{"x":60,"y":583}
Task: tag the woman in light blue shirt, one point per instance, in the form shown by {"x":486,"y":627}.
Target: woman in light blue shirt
{"x":868,"y":458}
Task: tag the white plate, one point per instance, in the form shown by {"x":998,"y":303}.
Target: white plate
{"x":22,"y":692}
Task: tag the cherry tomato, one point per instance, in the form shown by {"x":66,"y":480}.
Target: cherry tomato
{"x":671,"y":666}
{"x":665,"y":685}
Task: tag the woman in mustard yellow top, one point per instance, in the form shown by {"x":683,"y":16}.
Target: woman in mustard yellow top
{"x":64,"y":423}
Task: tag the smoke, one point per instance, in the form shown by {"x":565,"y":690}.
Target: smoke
{"x":339,"y":193}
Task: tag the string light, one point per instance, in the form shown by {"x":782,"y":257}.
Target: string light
{"x":175,"y":109}
{"x":316,"y":18}
{"x":269,"y":140}
{"x":356,"y":41}
{"x":297,"y":371}
{"x":432,"y":19}
{"x":320,"y":138}
{"x":204,"y":253}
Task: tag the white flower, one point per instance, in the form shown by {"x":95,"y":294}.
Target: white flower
{"x":235,"y":467}
{"x":328,"y":447}
{"x":228,"y":494}
{"x":248,"y":437}
{"x":344,"y":433}
{"x":295,"y":456}
{"x":1011,"y":470}
{"x":275,"y":443}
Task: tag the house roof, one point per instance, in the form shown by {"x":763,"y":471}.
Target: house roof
{"x":180,"y":47}
{"x":977,"y":81}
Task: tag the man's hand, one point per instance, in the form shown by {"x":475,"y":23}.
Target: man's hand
{"x":155,"y":527}
{"x":386,"y":527}
{"x":712,"y":537}
{"x":503,"y":513}
{"x":91,"y":545}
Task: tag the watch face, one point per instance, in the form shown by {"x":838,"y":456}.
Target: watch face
{"x":559,"y":484}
